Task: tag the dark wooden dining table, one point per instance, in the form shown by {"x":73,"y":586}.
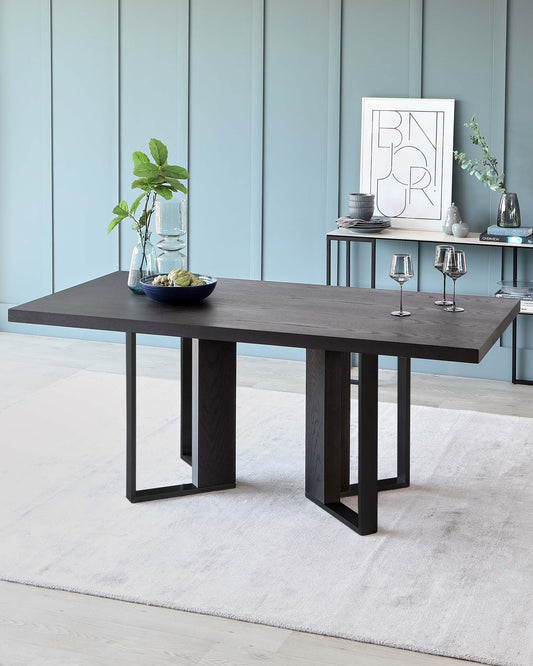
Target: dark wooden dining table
{"x":329,"y":322}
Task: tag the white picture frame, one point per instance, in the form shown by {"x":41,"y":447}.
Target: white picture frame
{"x":407,"y":159}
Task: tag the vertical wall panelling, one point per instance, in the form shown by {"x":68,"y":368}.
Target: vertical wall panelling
{"x":416,"y":26}
{"x":153,"y":91}
{"x":182,"y":77}
{"x":499,"y":87}
{"x":479,"y":89}
{"x":25,"y":186}
{"x":466,"y":74}
{"x":222,"y":139}
{"x":334,"y":111}
{"x":85,"y":129}
{"x":296,"y":138}
{"x":256,"y":139}
{"x":387,"y":73}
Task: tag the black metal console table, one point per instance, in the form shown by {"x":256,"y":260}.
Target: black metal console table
{"x":417,"y":236}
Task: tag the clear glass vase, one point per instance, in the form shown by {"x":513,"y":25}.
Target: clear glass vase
{"x":143,"y":263}
{"x":171,"y":224}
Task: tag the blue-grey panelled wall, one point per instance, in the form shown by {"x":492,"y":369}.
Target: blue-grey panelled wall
{"x":261,"y":99}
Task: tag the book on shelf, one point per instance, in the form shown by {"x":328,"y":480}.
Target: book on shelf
{"x":495,"y":230}
{"x":511,"y":240}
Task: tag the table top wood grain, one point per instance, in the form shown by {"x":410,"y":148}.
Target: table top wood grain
{"x":285,"y":314}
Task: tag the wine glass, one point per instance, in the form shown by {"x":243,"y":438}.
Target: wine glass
{"x":401,"y":270}
{"x":454,"y":266}
{"x":440,"y":252}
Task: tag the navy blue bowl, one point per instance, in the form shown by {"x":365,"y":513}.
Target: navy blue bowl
{"x":179,"y":295}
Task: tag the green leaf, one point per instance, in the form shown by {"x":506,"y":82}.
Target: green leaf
{"x":181,"y":187}
{"x":139,"y":157}
{"x":159,"y":151}
{"x":142,"y":183}
{"x":120,"y":211}
{"x":136,"y":203}
{"x":124,"y":205}
{"x":177,"y":184}
{"x":170,"y":171}
{"x":146,"y":170}
{"x":165,"y":192}
{"x":113,"y":224}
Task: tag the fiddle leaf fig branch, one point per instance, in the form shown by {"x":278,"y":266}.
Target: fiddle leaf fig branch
{"x":157,"y":178}
{"x":486,"y":168}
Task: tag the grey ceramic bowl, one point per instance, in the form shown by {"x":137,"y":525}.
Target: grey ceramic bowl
{"x":361,"y":212}
{"x":362,"y":205}
{"x":356,"y":196}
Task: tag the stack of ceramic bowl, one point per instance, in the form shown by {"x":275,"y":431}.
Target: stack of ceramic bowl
{"x":361,"y":206}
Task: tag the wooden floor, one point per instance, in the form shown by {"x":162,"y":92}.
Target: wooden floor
{"x":45,"y":627}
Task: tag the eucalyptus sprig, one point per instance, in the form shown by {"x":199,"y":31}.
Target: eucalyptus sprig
{"x":486,"y":168}
{"x":153,"y":178}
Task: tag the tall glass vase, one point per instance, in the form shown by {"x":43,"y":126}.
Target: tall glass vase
{"x":171,"y":225}
{"x":509,"y":211}
{"x":143,"y":262}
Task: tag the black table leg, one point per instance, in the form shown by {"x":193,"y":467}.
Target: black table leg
{"x":403,"y":469}
{"x":403,"y":445}
{"x":212,"y":432}
{"x":327,"y":432}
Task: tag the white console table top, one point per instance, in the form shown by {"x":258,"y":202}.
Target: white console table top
{"x":420,"y":235}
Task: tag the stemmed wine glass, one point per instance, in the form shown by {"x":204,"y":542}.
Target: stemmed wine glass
{"x":440,"y":252}
{"x":401,"y":270}
{"x":454,"y":266}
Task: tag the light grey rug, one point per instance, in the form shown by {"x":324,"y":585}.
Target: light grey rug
{"x":450,"y":571}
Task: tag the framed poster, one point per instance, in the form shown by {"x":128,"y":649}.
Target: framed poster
{"x":407,"y":158}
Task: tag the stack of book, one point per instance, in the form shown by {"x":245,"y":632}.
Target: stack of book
{"x":516,"y":236}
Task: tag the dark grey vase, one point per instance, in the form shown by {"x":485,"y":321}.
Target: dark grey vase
{"x":509,"y":211}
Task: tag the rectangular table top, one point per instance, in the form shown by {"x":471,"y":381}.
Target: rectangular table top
{"x":422,"y":236}
{"x":289,"y":315}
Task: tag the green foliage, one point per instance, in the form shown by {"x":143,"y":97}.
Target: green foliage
{"x":174,"y":172}
{"x":146,"y":170}
{"x":159,"y":151}
{"x":139,"y":157}
{"x":486,"y":168}
{"x":153,"y":178}
{"x":164,"y":191}
{"x":136,"y":203}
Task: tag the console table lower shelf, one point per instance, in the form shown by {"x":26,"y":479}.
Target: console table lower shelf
{"x":329,"y":323}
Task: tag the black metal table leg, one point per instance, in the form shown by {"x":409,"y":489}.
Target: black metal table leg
{"x":328,"y":260}
{"x":327,"y":432}
{"x":212,"y":431}
{"x":514,"y":352}
{"x":373,"y":265}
